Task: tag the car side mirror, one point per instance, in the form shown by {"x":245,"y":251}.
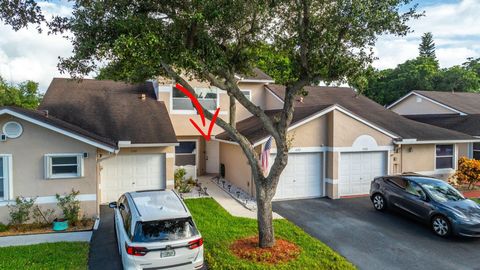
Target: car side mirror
{"x":112,"y":205}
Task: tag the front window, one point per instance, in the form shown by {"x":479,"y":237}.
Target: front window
{"x":185,"y":153}
{"x":476,"y":151}
{"x":444,"y":156}
{"x":207,"y":97}
{"x":442,"y":192}
{"x":165,"y":230}
{"x":64,"y":166}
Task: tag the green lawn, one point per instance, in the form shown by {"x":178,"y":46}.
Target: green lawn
{"x":219,"y":229}
{"x":477,"y":200}
{"x":63,"y":255}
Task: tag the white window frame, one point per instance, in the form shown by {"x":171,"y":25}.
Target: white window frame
{"x":4,"y":128}
{"x":453,"y":156}
{"x":7,"y":177}
{"x":48,"y":166}
{"x":181,"y":111}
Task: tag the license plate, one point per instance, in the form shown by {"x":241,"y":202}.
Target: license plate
{"x":167,"y":253}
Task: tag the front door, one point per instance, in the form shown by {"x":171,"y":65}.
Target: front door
{"x":213,"y":157}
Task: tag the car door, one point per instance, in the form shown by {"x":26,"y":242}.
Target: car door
{"x":415,"y":200}
{"x":123,"y":222}
{"x":395,"y":189}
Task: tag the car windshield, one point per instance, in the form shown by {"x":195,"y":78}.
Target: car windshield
{"x":442,"y":192}
{"x":164,"y":230}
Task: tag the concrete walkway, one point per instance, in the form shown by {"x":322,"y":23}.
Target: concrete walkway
{"x":22,"y":240}
{"x":226,"y":201}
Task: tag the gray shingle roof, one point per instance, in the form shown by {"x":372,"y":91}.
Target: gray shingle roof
{"x":320,"y":97}
{"x":110,"y":109}
{"x":468,"y":124}
{"x":58,"y":123}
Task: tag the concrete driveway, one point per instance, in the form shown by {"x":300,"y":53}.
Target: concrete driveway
{"x":374,"y":240}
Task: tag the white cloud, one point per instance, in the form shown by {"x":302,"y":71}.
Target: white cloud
{"x":28,"y":55}
{"x":455,"y":28}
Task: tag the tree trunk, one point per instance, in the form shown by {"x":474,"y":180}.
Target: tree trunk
{"x":266,"y":237}
{"x":232,"y":110}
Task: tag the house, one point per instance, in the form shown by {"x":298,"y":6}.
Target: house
{"x":105,"y":138}
{"x":101,"y":138}
{"x":459,"y":111}
{"x":340,"y":141}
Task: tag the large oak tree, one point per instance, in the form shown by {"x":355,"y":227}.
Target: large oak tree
{"x":213,"y":40}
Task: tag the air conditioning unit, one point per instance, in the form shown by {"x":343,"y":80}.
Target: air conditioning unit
{"x":3,"y":137}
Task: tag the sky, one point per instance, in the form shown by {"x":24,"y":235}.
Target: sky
{"x":455,"y":24}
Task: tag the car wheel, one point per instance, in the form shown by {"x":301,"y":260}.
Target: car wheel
{"x":379,"y":202}
{"x":441,"y":226}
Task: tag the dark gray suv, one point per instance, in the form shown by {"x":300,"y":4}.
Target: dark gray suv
{"x":430,"y":200}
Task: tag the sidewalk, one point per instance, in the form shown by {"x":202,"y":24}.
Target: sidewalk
{"x":226,"y":201}
{"x":22,"y":240}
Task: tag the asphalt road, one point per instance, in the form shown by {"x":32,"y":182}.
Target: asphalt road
{"x":375,"y":240}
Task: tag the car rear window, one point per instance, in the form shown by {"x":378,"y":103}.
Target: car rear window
{"x":165,"y":230}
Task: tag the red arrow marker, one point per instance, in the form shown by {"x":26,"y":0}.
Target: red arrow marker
{"x":200,"y":111}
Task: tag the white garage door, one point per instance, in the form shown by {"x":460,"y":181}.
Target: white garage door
{"x":125,"y":173}
{"x":301,"y":178}
{"x":357,"y":170}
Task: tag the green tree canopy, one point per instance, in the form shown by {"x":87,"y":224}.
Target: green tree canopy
{"x":427,"y":46}
{"x":23,"y":95}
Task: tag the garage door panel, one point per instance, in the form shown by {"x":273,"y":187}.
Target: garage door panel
{"x":302,"y":177}
{"x":124,"y":173}
{"x":357,"y":170}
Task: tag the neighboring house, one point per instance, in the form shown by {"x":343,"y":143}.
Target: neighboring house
{"x":101,"y":138}
{"x":459,"y":111}
{"x":340,"y":142}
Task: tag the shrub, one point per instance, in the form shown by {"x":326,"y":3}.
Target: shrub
{"x":468,"y":172}
{"x":3,"y":227}
{"x":70,"y":206}
{"x":180,"y":183}
{"x":42,"y":216}
{"x":20,"y":212}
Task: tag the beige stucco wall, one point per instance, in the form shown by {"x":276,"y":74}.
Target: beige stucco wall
{"x":257,"y":93}
{"x":463,"y":150}
{"x":418,"y":158}
{"x":410,"y":106}
{"x":28,"y":162}
{"x":237,"y":169}
{"x":346,"y":130}
{"x":272,"y":102}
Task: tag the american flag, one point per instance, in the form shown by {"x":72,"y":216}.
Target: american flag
{"x":266,"y":155}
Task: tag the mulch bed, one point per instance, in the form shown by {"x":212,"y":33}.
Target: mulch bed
{"x":282,"y":252}
{"x":45,"y":228}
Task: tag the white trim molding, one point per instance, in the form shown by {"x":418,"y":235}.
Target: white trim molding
{"x":129,"y":144}
{"x":427,"y":98}
{"x":336,"y":149}
{"x":414,"y":141}
{"x":59,"y":130}
{"x":275,"y":95}
{"x":225,"y":141}
{"x":53,"y":199}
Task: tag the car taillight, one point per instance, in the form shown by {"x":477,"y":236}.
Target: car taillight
{"x":195,"y":243}
{"x":135,"y":251}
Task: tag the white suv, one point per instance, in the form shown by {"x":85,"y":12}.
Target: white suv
{"x":155,"y":230}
